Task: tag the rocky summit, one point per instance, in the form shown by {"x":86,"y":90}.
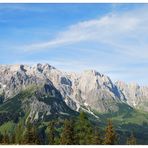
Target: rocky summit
{"x":89,"y":90}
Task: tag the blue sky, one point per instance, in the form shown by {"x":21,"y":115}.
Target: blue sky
{"x":110,"y":38}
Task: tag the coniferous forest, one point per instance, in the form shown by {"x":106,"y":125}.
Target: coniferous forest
{"x":72,"y":131}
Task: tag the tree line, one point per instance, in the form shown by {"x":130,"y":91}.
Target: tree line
{"x":78,"y":131}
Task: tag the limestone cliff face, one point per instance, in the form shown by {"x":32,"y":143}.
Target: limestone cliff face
{"x":94,"y":90}
{"x":89,"y":89}
{"x":135,"y":95}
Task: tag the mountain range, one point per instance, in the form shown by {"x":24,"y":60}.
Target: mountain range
{"x":90,"y":91}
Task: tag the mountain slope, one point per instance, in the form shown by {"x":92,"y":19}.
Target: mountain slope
{"x":88,"y":90}
{"x":35,"y":103}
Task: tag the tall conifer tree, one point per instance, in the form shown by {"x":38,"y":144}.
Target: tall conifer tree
{"x":51,"y":134}
{"x":131,"y":140}
{"x":18,"y":132}
{"x":96,"y":140}
{"x":29,"y":135}
{"x":68,"y":135}
{"x":110,"y":134}
{"x":6,"y":139}
{"x":84,"y":130}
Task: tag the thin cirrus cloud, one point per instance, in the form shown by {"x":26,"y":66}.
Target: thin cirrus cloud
{"x":121,"y":31}
{"x":99,"y":30}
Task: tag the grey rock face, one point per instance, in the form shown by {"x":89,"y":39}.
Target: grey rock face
{"x":135,"y":95}
{"x":88,"y":89}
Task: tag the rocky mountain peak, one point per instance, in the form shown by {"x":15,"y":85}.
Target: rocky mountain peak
{"x":92,"y":72}
{"x":89,"y":88}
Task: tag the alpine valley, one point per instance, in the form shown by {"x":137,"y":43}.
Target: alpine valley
{"x":41,"y":93}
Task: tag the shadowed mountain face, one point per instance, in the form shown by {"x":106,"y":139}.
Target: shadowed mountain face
{"x":89,"y":90}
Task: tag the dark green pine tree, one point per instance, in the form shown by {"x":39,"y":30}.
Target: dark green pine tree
{"x":84,"y":130}
{"x":110,"y":135}
{"x":29,"y":136}
{"x":68,"y":135}
{"x":35,"y":134}
{"x":96,"y":140}
{"x":51,"y":133}
{"x":131,"y":140}
{"x":5,"y":139}
{"x":19,"y":131}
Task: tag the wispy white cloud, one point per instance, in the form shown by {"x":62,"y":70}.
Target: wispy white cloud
{"x":117,"y":30}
